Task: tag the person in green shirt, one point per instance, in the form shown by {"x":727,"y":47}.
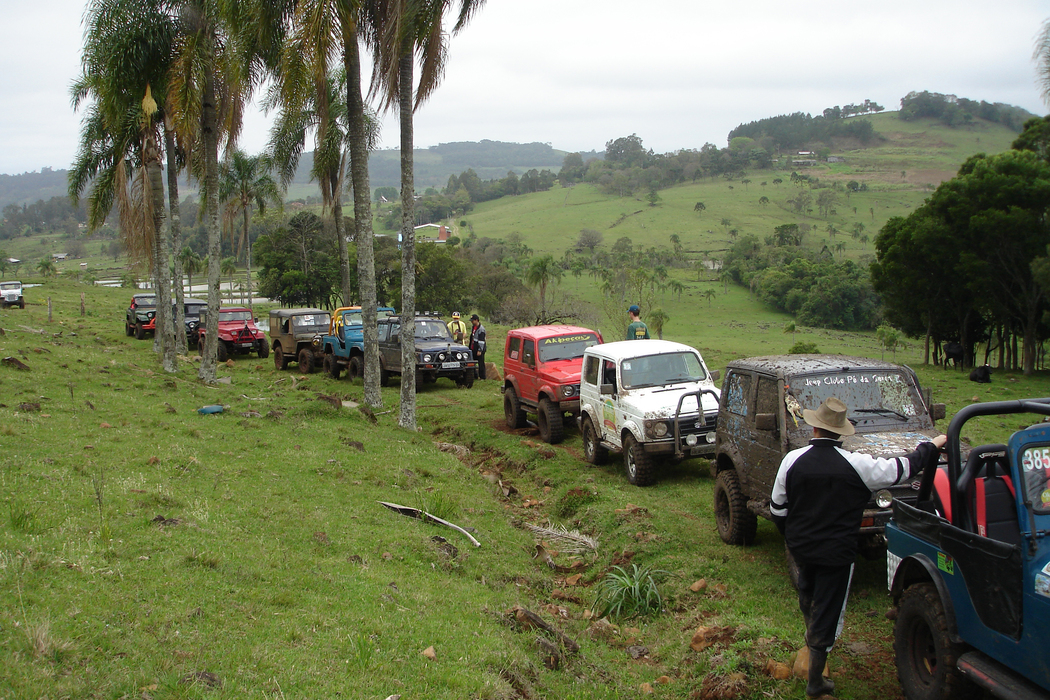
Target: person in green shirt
{"x":637,"y":330}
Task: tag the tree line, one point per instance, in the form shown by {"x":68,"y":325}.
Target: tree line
{"x":960,"y":111}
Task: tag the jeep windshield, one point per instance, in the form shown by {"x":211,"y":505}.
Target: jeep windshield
{"x":8,"y":286}
{"x":870,"y":395}
{"x":661,"y":370}
{"x":427,"y":329}
{"x":1035,"y":461}
{"x":310,"y":323}
{"x":356,"y":318}
{"x":235,"y":316}
{"x":145,"y":301}
{"x":566,"y":347}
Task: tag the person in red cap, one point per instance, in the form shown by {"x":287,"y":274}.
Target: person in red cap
{"x":817,"y":503}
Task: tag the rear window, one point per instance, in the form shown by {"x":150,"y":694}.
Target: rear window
{"x":566,"y":347}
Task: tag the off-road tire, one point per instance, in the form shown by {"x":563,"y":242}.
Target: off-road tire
{"x":736,"y":524}
{"x":924,"y":651}
{"x":356,"y":368}
{"x":332,"y":368}
{"x":637,"y":462}
{"x":593,"y":450}
{"x":223,"y":352}
{"x":140,"y":332}
{"x":263,"y":348}
{"x":549,"y":419}
{"x":128,"y":330}
{"x":21,"y":304}
{"x":384,"y":377}
{"x":280,"y":362}
{"x":306,"y":361}
{"x":466,"y":380}
{"x":512,"y":411}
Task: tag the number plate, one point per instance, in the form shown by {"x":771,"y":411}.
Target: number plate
{"x":698,"y":449}
{"x":449,"y":365}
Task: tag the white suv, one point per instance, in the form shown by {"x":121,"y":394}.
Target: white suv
{"x":11,"y":294}
{"x":646,"y":398}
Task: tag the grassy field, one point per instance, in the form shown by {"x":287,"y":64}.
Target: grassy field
{"x":149,"y":551}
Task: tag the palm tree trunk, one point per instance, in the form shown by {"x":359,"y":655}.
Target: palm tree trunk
{"x":181,"y":344}
{"x":210,"y":135}
{"x":163,"y":331}
{"x":363,"y":233}
{"x":340,"y":235}
{"x":407,"y":416}
{"x":248,"y":244}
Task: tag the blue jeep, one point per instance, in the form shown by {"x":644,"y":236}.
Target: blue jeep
{"x":969,"y":567}
{"x":344,"y":344}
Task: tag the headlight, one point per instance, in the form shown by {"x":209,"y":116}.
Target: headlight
{"x":570,"y":390}
{"x":883,"y":499}
{"x":656,"y":428}
{"x":427,"y":358}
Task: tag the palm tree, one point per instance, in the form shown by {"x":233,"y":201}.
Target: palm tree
{"x":126,"y":57}
{"x":1042,"y":59}
{"x":245,"y":182}
{"x":656,"y":320}
{"x":229,"y":267}
{"x":405,"y":26}
{"x":47,"y":267}
{"x":542,"y":271}
{"x":191,"y":264}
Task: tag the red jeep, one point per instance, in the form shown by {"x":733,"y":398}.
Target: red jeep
{"x":541,"y":367}
{"x":237,"y":333}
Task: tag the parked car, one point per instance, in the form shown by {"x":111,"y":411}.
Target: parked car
{"x":192,"y":317}
{"x":649,"y":399}
{"x":760,"y":421}
{"x":541,"y":375}
{"x":343,"y":344}
{"x":968,"y":565}
{"x":437,"y":355}
{"x":11,"y":294}
{"x":237,"y":333}
{"x":141,"y":316}
{"x":295,"y":335}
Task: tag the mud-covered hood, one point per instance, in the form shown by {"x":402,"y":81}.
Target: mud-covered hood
{"x":887,"y":444}
{"x":662,"y":401}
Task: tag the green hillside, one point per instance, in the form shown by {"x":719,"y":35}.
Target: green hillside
{"x":898,"y":172}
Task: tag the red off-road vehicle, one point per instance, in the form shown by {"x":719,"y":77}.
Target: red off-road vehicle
{"x":541,"y":368}
{"x":237,"y":333}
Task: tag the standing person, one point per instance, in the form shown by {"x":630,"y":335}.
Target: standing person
{"x":477,"y":343}
{"x":817,"y":503}
{"x":636,"y":330}
{"x":457,"y":328}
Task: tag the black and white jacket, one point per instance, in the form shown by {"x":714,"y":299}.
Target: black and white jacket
{"x":820,"y":493}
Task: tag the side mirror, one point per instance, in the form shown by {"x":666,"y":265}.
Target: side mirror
{"x":938,"y":411}
{"x":607,"y":389}
{"x":766,"y":421}
{"x":715,"y":375}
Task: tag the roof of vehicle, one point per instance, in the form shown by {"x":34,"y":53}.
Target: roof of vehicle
{"x":191,"y":300}
{"x":226,"y":309}
{"x":549,"y":330}
{"x":421,"y":316}
{"x":623,"y":349}
{"x":807,"y":364}
{"x":281,"y":313}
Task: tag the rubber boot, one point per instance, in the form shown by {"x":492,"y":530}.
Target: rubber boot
{"x":818,"y":685}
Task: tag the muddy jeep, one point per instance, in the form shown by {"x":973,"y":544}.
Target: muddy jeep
{"x":141,"y":316}
{"x":650,"y":399}
{"x":11,"y":294}
{"x":437,"y":355}
{"x":541,"y":375}
{"x":237,"y":333}
{"x":760,"y":421}
{"x":295,"y":336}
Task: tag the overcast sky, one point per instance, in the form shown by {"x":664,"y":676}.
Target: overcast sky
{"x":578,"y":73}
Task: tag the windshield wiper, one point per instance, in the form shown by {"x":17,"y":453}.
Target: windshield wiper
{"x":883,"y":411}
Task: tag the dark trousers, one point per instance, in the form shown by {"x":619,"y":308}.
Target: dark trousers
{"x":481,"y":365}
{"x":822,"y":593}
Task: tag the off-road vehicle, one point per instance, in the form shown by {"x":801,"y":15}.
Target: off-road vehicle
{"x":648,"y":399}
{"x":343,"y":342}
{"x":760,"y":421}
{"x":968,"y":566}
{"x":295,"y":336}
{"x":141,"y":316}
{"x":192,"y":317}
{"x":11,"y":294}
{"x":541,"y":375}
{"x":437,"y":355}
{"x":237,"y":333}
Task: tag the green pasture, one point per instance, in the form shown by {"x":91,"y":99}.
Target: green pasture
{"x":150,"y":551}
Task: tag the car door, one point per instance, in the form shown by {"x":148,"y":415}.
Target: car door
{"x":527,"y":378}
{"x":610,"y":403}
{"x":762,"y":454}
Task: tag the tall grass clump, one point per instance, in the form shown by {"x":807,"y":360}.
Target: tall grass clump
{"x":624,"y":594}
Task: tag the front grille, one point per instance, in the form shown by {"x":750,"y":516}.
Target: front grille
{"x":688,"y":425}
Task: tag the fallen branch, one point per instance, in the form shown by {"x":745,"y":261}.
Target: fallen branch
{"x":526,"y":619}
{"x":422,"y":515}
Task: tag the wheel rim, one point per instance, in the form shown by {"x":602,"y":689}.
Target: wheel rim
{"x":923,"y":653}
{"x":723,"y":513}
{"x":632,"y":468}
{"x":588,"y":440}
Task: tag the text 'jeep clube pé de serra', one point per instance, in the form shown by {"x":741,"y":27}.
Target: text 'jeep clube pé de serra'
{"x":649,"y":399}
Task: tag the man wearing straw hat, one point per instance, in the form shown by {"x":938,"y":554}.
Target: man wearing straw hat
{"x":817,"y":503}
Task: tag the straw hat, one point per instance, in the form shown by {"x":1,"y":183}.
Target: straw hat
{"x":831,"y":416}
